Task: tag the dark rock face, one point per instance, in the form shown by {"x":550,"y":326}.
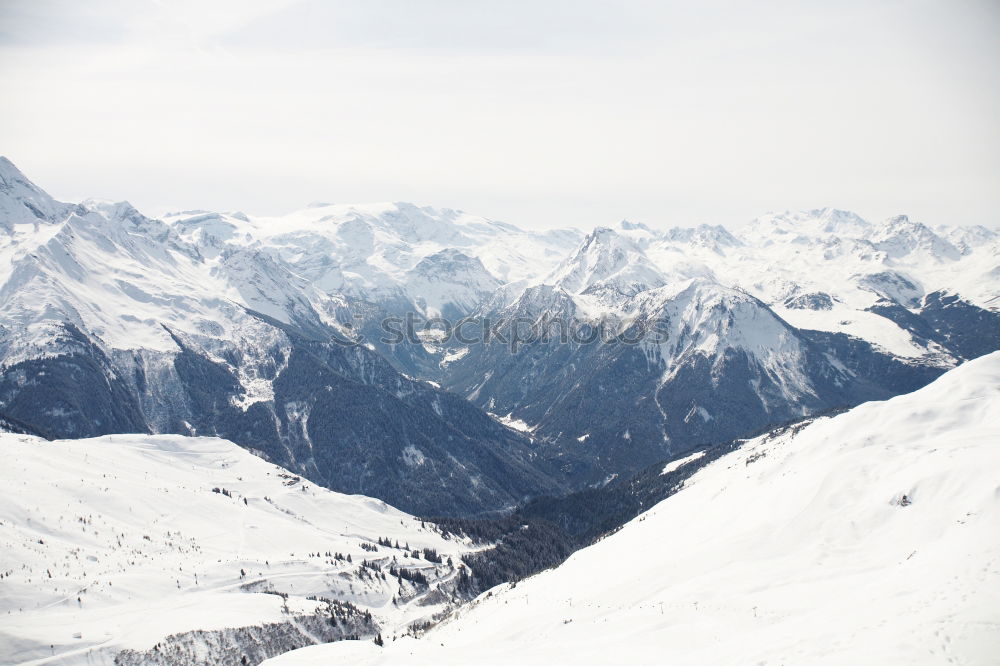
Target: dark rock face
{"x":75,"y":393}
{"x":965,"y":330}
{"x":394,"y":335}
{"x":339,"y":415}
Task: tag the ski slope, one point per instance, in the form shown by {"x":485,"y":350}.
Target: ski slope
{"x":118,"y":542}
{"x":798,"y":548}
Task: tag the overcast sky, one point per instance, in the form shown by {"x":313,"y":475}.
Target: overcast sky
{"x":538,"y":112}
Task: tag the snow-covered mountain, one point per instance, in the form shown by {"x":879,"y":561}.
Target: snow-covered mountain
{"x":273,"y":332}
{"x":796,"y":314}
{"x":434,"y":261}
{"x":174,"y":550}
{"x":598,"y":354}
{"x":111,"y":322}
{"x":825,"y":269}
{"x":607,"y":267}
{"x":675,"y":368}
{"x":869,"y":537}
{"x":374,"y":262}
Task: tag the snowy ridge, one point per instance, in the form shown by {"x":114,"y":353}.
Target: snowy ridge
{"x":852,"y":264}
{"x":823,"y":269}
{"x":198,"y":534}
{"x":705,"y":317}
{"x":869,"y":537}
{"x":606,"y":262}
{"x":109,"y":270}
{"x":326,"y":263}
{"x":373,"y":252}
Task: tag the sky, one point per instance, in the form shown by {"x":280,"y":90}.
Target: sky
{"x":542,"y":113}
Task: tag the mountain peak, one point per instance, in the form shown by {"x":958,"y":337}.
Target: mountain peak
{"x":606,"y":260}
{"x":899,"y":236}
{"x":603,"y":232}
{"x":841,"y":222}
{"x":6,"y":166}
{"x":817,"y":221}
{"x":449,"y":282}
{"x":447,"y":259}
{"x":633,"y":226}
{"x":23,"y":202}
{"x":711,"y":236}
{"x":605,"y":239}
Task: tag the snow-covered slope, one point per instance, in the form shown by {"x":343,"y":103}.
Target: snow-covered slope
{"x":867,"y":538}
{"x":118,"y":542}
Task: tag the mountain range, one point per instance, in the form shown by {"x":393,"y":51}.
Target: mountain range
{"x":356,"y":423}
{"x":276,"y":333}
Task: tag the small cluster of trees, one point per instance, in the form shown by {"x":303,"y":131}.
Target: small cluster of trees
{"x":336,"y":557}
{"x":412,"y":575}
{"x":369,"y":566}
{"x":341,"y":612}
{"x":388,"y":543}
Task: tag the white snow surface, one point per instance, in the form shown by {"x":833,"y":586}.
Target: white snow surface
{"x":511,"y":422}
{"x":677,"y":464}
{"x":798,"y":548}
{"x":130,"y":524}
